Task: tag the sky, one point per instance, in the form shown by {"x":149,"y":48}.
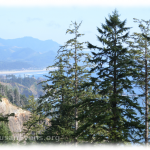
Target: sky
{"x":47,"y":20}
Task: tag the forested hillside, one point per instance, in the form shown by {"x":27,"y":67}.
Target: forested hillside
{"x":18,"y":89}
{"x":13,"y":95}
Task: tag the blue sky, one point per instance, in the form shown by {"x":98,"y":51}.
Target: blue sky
{"x":44,"y":19}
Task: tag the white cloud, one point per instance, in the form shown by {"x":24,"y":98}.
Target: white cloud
{"x":74,"y":2}
{"x":53,"y":24}
{"x":1,"y":44}
{"x":33,"y":19}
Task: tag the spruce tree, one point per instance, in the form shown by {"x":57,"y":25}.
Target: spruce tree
{"x":66,"y":93}
{"x":115,"y":68}
{"x":140,"y":48}
{"x":5,"y":133}
{"x":54,"y":106}
{"x":33,"y":126}
{"x":17,"y":97}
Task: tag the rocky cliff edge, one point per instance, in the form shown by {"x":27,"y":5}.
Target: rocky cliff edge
{"x":15,"y":122}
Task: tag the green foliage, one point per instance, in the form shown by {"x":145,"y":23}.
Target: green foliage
{"x":62,"y":98}
{"x":82,"y":108}
{"x":33,"y":126}
{"x":140,"y":48}
{"x":5,"y":134}
{"x":117,"y":115}
{"x":26,"y":81}
{"x":24,"y":84}
{"x":13,"y":96}
{"x":16,"y":93}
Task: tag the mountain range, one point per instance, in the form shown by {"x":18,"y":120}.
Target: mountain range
{"x":28,"y":51}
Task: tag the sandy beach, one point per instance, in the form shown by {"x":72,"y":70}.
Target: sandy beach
{"x":25,"y":71}
{"x":21,"y":71}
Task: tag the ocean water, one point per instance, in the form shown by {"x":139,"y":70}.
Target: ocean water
{"x":42,"y":73}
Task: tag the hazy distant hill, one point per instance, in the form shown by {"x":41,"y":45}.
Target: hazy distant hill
{"x":23,"y":54}
{"x":17,"y":65}
{"x":33,"y":43}
{"x":42,"y":60}
{"x":29,"y":51}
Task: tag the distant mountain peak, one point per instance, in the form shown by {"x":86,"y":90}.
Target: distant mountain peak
{"x":28,"y":49}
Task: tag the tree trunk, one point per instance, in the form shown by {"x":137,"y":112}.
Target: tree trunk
{"x":114,"y":103}
{"x":76,"y":84}
{"x":146,"y":98}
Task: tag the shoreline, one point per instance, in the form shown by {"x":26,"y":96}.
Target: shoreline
{"x":21,"y":71}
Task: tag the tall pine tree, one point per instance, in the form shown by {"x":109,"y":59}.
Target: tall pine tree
{"x":5,"y":133}
{"x":140,"y":48}
{"x":115,"y":68}
{"x":33,"y":126}
{"x":66,"y":92}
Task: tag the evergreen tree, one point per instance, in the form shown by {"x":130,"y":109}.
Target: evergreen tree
{"x":140,"y":48}
{"x":66,"y":93}
{"x":54,"y":105}
{"x":5,"y":134}
{"x":24,"y":100}
{"x":115,"y":67}
{"x":33,"y":126}
{"x":17,"y":97}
